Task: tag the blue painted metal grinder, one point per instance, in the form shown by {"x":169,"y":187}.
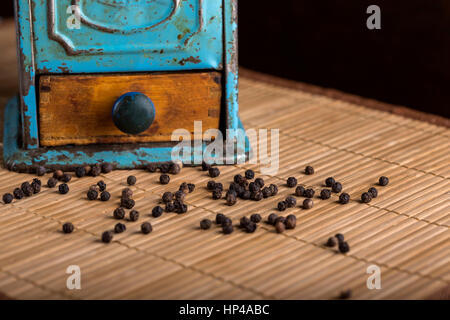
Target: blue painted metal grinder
{"x":110,"y":80}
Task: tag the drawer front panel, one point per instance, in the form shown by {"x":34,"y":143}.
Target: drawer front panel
{"x":92,"y":36}
{"x":77,"y":109}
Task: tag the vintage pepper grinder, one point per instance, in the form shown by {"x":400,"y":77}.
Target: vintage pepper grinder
{"x":110,"y":80}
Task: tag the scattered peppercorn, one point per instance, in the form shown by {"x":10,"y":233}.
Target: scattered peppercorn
{"x":66,"y":177}
{"x":205,"y":224}
{"x":36,"y":187}
{"x":249,"y":174}
{"x":290,"y":222}
{"x":167,"y":197}
{"x":325,"y":194}
{"x":181,"y":208}
{"x":227,"y":229}
{"x":96,"y":170}
{"x":280,"y":219}
{"x":107,"y":167}
{"x":174,"y":168}
{"x":291,"y":202}
{"x":291,"y":182}
{"x":58,"y":174}
{"x":27,"y":189}
{"x":231,"y":199}
{"x":217,"y":194}
{"x":280,"y":227}
{"x":259,"y":182}
{"x":180,"y":195}
{"x":309,"y":170}
{"x":119,"y":213}
{"x":309,"y":193}
{"x":344,"y":198}
{"x":344,"y":247}
{"x":157,"y":212}
{"x":226,"y":221}
{"x":336,"y":187}
{"x":134,"y":215}
{"x":164,"y":168}
{"x":339,"y":237}
{"x":250,"y":227}
{"x":373,"y":192}
{"x":131,"y":180}
{"x":211,"y":185}
{"x":63,"y":188}
{"x":282,"y":205}
{"x":107,"y":236}
{"x":383,"y":181}
{"x":267,"y":192}
{"x":254,"y":187}
{"x":101,"y":185}
{"x":257,"y":196}
{"x":105,"y":196}
{"x":8,"y":198}
{"x":274,"y":189}
{"x":214,"y":172}
{"x":18,"y":193}
{"x":256,"y":218}
{"x":300,"y":191}
{"x":246,"y":195}
{"x":219,"y":218}
{"x":272,"y":218}
{"x":127,"y":203}
{"x":38,"y":181}
{"x":40,"y":171}
{"x":238,"y":178}
{"x":127,"y":193}
{"x":170,"y":207}
{"x":146,"y":228}
{"x":244,"y":222}
{"x":205,"y":166}
{"x":346,"y":294}
{"x":331,"y":242}
{"x":191,"y":187}
{"x":51,"y":183}
{"x":80,"y":172}
{"x":308,"y":204}
{"x":164,"y":179}
{"x":366,"y":197}
{"x":152,"y":167}
{"x":329,"y":182}
{"x":120,"y":227}
{"x":67,"y":227}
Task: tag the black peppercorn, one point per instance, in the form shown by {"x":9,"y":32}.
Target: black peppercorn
{"x":28,"y":190}
{"x":184,"y":188}
{"x":18,"y":193}
{"x":51,"y":183}
{"x":280,"y":227}
{"x":256,"y":218}
{"x":325,"y":194}
{"x":309,"y":193}
{"x":211,"y":185}
{"x":174,"y":168}
{"x":170,"y":207}
{"x":119,"y":213}
{"x":119,"y":228}
{"x":96,"y":170}
{"x":274,"y":189}
{"x":383,"y":181}
{"x":164,"y":179}
{"x":290,"y":222}
{"x":228,"y":229}
{"x":205,"y":224}
{"x":366,"y":197}
{"x":217,"y":194}
{"x":107,"y":236}
{"x":231,"y":199}
{"x":205,"y":166}
{"x":308,"y":204}
{"x":107,"y":167}
{"x":181,"y":208}
{"x":127,"y":203}
{"x":272,"y":218}
{"x":167,"y":197}
{"x":131,"y":180}
{"x":267,"y":192}
{"x":373,"y":192}
{"x":339,"y":237}
{"x":344,"y":247}
{"x":152,"y":168}
{"x":253,"y":187}
{"x":259,"y":182}
{"x":66,"y":177}
{"x":92,"y":194}
{"x":329,"y":182}
{"x":245,"y":195}
{"x":336,"y":187}
{"x":164,"y":168}
{"x":58,"y":174}
{"x":36,"y":187}
{"x":244,"y":222}
{"x":127,"y":193}
{"x":214,"y":172}
{"x":226,"y":221}
{"x":282,"y":205}
{"x":250,"y":227}
{"x":238,"y":178}
{"x":309,"y":170}
{"x":146,"y":228}
{"x":37,"y":181}
{"x":219,"y":218}
{"x":344,"y":198}
{"x":80,"y":172}
{"x":291,"y":182}
{"x":63,"y":188}
{"x":101,"y":185}
{"x":180,"y":195}
{"x":40,"y":171}
{"x":191,"y":187}
{"x":134,"y":215}
{"x":300,"y":191}
{"x":257,"y":196}
{"x":331,"y":242}
{"x":249,"y":174}
{"x":291,"y":202}
{"x":280,"y":219}
{"x":105,"y":196}
{"x":8,"y":198}
{"x":67,"y":227}
{"x":157,"y":212}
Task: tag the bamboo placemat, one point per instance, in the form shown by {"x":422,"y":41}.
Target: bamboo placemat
{"x":405,"y":231}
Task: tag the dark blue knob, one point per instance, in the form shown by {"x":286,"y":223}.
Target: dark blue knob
{"x":133,"y":113}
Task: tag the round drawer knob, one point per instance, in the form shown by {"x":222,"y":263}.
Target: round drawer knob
{"x":133,"y":113}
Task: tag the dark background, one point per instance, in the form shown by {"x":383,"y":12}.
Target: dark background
{"x":327,"y":43}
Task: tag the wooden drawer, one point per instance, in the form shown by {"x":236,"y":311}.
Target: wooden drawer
{"x":76,"y":109}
